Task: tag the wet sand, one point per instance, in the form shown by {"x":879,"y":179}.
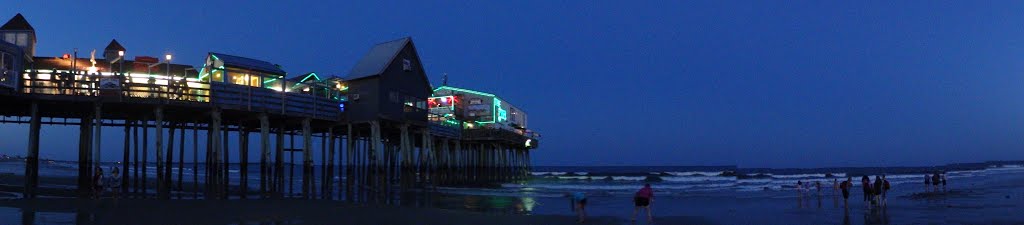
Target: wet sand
{"x":131,"y":211}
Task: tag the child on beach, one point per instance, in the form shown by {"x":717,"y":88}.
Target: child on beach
{"x":878,"y":190}
{"x":817,"y":185}
{"x":643,"y":199}
{"x":943,"y":181}
{"x":579,"y":200}
{"x":885,"y":189}
{"x":845,"y":186}
{"x":927,"y":182}
{"x":115,"y":182}
{"x":97,"y":182}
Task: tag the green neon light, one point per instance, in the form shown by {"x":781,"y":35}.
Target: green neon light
{"x":310,"y":75}
{"x":271,"y":80}
{"x":499,"y":114}
{"x":464,"y":90}
{"x":201,"y":71}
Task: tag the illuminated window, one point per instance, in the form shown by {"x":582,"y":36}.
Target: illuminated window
{"x":22,"y":40}
{"x":10,"y":37}
{"x":254,"y":81}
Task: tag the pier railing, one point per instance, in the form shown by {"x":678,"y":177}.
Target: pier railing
{"x":145,"y":87}
{"x":119,"y":86}
{"x":241,"y":97}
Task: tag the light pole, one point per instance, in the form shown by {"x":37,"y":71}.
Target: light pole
{"x":120,"y":66}
{"x":170,"y":79}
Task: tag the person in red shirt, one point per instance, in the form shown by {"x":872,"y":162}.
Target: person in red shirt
{"x":643,"y":199}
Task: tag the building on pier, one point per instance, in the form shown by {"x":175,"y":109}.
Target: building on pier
{"x":377,"y":119}
{"x":389,"y":83}
{"x":484,"y":114}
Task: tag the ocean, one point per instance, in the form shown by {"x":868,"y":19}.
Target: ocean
{"x":724,"y":193}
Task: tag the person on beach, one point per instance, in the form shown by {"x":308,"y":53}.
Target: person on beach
{"x":115,"y":182}
{"x":835,"y":185}
{"x":643,"y":200}
{"x":817,"y":185}
{"x":935,"y":181}
{"x":885,"y":190}
{"x":927,"y":182}
{"x":865,"y":182}
{"x":845,"y":187}
{"x":800,"y":187}
{"x":97,"y":182}
{"x":943,"y":181}
{"x":878,"y":190}
{"x":579,"y":200}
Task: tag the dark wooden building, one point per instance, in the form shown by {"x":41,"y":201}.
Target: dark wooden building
{"x":389,"y":83}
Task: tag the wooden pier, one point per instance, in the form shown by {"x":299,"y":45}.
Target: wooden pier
{"x":373,"y":128}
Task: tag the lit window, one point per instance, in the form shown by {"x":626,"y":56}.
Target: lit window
{"x":22,"y":40}
{"x":10,"y":37}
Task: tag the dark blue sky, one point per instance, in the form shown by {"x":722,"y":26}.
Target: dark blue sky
{"x":754,"y":84}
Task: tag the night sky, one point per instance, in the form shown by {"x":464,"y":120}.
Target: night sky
{"x":752,"y":84}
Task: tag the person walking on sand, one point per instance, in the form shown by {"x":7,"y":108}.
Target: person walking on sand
{"x":579,"y":200}
{"x":97,"y":183}
{"x":865,"y":183}
{"x":878,"y":190}
{"x":835,"y":186}
{"x":885,"y":190}
{"x":643,"y":200}
{"x":943,"y":181}
{"x":927,"y":182}
{"x":817,"y":185}
{"x":800,"y":188}
{"x":845,"y":187}
{"x":115,"y":182}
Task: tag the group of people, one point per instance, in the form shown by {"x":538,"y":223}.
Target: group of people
{"x":932,"y":181}
{"x":98,"y":181}
{"x":874,"y":192}
{"x":804,"y":188}
{"x":641,"y":201}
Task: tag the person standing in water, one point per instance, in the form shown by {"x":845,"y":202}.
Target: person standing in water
{"x":944,"y":181}
{"x":927,"y":182}
{"x":885,"y":190}
{"x":865,"y":183}
{"x":936,"y":180}
{"x":835,"y":185}
{"x":579,"y":200}
{"x":643,"y":200}
{"x":845,"y":187}
{"x":817,"y":185}
{"x":878,"y":190}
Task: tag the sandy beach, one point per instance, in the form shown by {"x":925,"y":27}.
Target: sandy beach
{"x":131,"y":211}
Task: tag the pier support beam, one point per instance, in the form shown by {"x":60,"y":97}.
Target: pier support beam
{"x":307,"y":159}
{"x":159,"y":114}
{"x":215,"y":144}
{"x":243,"y":159}
{"x":84,"y":152}
{"x":98,"y":125}
{"x":32,"y":156}
{"x":350,"y":177}
{"x":264,"y":153}
{"x":125,"y":155}
{"x":328,"y":180}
